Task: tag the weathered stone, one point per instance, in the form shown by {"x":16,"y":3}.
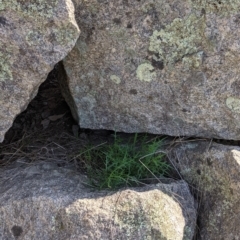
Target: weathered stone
{"x":214,"y":171}
{"x":158,"y":66}
{"x":44,"y":201}
{"x":34,"y":36}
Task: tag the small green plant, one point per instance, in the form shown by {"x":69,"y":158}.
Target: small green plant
{"x":124,"y":163}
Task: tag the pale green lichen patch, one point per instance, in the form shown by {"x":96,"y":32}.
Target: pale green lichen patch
{"x":5,"y":72}
{"x":222,"y":7}
{"x":32,"y":8}
{"x":146,"y":73}
{"x":233,"y":104}
{"x":62,"y":35}
{"x":193,"y":61}
{"x":65,"y":34}
{"x":181,"y":38}
{"x":115,"y":79}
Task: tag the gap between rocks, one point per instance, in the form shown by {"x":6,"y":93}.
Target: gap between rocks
{"x":48,"y":112}
{"x":46,"y":130}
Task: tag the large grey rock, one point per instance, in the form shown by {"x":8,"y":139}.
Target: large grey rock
{"x":34,"y":36}
{"x":158,"y":66}
{"x":44,"y":202}
{"x":214,"y":172}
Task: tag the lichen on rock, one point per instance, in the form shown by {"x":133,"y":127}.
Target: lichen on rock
{"x":34,"y":36}
{"x":115,"y":79}
{"x":214,"y":172}
{"x":180,"y":57}
{"x":222,"y":7}
{"x":5,"y":72}
{"x":233,"y":104}
{"x":180,"y":38}
{"x":68,"y":208}
{"x":146,"y":73}
{"x":39,"y":8}
{"x":193,"y":61}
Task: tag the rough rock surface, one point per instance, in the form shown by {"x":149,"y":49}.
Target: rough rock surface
{"x":34,"y":36}
{"x":44,"y":201}
{"x":214,"y":170}
{"x":158,"y":66}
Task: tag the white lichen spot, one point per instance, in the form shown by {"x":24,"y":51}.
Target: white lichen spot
{"x":233,"y":104}
{"x":115,"y":79}
{"x":146,"y":73}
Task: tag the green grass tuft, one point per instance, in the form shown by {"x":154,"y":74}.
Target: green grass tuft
{"x":124,"y":163}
